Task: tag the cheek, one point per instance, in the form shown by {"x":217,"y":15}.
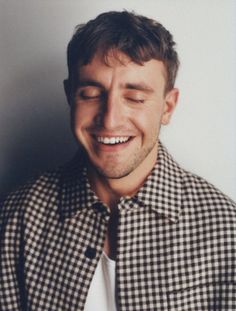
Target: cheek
{"x":148,"y":120}
{"x":83,"y":116}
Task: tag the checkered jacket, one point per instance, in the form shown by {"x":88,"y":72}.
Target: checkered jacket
{"x":176,"y":243}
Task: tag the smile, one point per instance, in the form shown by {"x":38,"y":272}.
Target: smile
{"x":112,"y":140}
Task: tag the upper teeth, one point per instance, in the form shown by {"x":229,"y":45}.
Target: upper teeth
{"x":112,"y":140}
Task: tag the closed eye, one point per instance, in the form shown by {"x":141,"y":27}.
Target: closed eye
{"x":135,"y":100}
{"x":84,"y":96}
{"x":90,"y":93}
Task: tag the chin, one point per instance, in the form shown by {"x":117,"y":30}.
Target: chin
{"x":113,"y":173}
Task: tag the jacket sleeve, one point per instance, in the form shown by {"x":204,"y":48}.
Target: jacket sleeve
{"x":12,"y":296}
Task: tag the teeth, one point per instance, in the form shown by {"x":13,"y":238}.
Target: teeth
{"x":112,"y":140}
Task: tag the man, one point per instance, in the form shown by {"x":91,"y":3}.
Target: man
{"x":122,"y":226}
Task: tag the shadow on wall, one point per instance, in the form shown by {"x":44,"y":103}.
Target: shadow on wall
{"x":34,"y":131}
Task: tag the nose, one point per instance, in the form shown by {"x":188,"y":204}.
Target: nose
{"x":112,"y":113}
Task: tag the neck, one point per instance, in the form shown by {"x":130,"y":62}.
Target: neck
{"x":110,"y":191}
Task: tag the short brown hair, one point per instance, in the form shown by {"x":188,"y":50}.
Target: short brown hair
{"x":139,"y":37}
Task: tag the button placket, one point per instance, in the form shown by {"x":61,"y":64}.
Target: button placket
{"x":99,"y":226}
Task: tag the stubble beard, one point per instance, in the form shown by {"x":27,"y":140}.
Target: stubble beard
{"x":118,"y":171}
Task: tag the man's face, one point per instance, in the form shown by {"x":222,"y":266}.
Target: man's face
{"x":118,"y":110}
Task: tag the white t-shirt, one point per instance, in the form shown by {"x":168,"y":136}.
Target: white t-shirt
{"x":102,"y":291}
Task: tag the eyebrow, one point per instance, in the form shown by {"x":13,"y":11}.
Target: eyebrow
{"x":82,"y":83}
{"x":130,"y":86}
{"x":139,"y":86}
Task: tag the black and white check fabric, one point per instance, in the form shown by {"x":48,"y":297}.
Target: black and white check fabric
{"x":176,"y":243}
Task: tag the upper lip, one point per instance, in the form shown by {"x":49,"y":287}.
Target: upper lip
{"x":111,"y":135}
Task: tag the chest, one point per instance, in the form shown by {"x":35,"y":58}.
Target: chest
{"x":160,"y":264}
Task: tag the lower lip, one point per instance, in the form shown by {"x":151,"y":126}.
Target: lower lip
{"x":112,"y":148}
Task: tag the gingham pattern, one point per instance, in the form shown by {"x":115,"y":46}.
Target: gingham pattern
{"x":176,"y":243}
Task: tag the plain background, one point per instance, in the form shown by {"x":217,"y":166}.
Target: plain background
{"x":34,"y":116}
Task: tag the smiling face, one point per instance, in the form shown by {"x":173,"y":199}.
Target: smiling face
{"x":117,"y":111}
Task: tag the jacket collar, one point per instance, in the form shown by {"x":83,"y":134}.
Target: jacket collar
{"x":75,"y":193}
{"x":161,"y":191}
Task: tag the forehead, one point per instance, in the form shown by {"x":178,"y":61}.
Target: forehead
{"x":116,"y":65}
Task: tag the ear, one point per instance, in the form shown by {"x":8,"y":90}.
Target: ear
{"x":67,"y":89}
{"x":171,"y":100}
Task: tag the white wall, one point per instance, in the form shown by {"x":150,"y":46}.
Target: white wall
{"x":34,"y":117}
